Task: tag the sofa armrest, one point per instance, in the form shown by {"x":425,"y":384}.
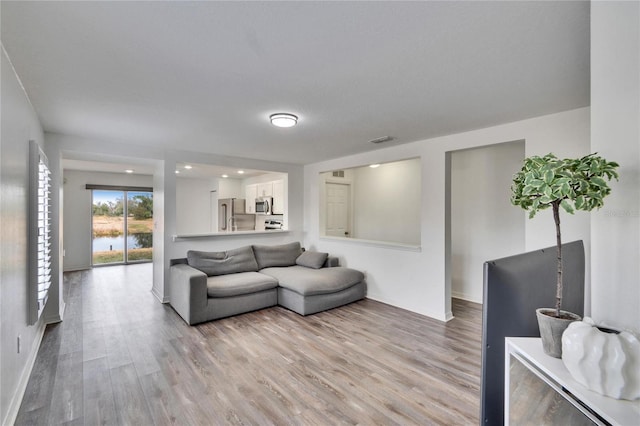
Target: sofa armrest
{"x":188,"y":292}
{"x":332,"y":262}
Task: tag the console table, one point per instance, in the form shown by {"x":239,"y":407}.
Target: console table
{"x":539,"y":390}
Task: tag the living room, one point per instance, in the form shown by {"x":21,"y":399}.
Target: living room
{"x":606,"y":121}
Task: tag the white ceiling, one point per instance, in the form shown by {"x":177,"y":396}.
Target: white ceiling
{"x":204,"y":76}
{"x":185,"y":170}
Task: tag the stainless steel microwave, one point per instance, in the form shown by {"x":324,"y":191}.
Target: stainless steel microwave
{"x":264,"y":205}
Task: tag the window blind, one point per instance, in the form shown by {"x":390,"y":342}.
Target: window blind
{"x":40,"y":232}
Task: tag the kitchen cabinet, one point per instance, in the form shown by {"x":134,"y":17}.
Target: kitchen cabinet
{"x":278,"y":197}
{"x":250,"y":194}
{"x":265,"y":189}
{"x":273,"y":189}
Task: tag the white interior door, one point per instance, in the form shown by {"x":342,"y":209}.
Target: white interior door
{"x":338,"y":196}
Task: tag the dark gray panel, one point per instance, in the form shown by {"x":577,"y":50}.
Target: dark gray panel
{"x":514,"y":287}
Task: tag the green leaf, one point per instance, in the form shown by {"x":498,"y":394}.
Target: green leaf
{"x":584,"y":185}
{"x":537,"y":183}
{"x":566,"y":205}
{"x":545,"y":199}
{"x":528,"y":179}
{"x":527,"y":190}
{"x":579,"y":203}
{"x":548,"y":177}
{"x":598,"y":181}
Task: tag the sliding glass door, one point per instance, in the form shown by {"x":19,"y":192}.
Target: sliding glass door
{"x":139,"y":226}
{"x":122,"y":231}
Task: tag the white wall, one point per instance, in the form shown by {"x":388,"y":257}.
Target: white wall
{"x":19,"y":124}
{"x":416,"y":280}
{"x":77,"y":211}
{"x":193,"y":205}
{"x":267,"y":177}
{"x":386,"y":202}
{"x":484,"y":223}
{"x":615,"y":134}
{"x":230,"y":188}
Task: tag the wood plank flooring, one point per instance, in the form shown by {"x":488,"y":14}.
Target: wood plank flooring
{"x":122,"y":358}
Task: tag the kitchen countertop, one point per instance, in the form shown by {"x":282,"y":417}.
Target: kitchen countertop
{"x":227,"y":234}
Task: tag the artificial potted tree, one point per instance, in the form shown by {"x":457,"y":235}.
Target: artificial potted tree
{"x":573,"y":184}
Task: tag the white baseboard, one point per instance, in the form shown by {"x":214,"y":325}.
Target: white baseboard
{"x":397,"y":304}
{"x":76,"y":268}
{"x":162,"y":299}
{"x":463,"y":296}
{"x":449,"y":316}
{"x":16,"y":401}
{"x":57,"y":317}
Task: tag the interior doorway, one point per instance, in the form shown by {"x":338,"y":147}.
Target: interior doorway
{"x":481,"y":222}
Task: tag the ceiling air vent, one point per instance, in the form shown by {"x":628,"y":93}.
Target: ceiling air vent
{"x":338,"y":173}
{"x":382,"y":139}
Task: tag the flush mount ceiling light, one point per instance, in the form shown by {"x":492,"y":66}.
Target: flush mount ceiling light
{"x":240,"y":172}
{"x":283,"y":120}
{"x":177,"y":172}
{"x":188,"y":166}
{"x":128,"y":171}
{"x":373,"y":166}
{"x":225,"y":176}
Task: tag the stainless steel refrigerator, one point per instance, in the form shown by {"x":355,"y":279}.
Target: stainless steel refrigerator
{"x":232,"y":216}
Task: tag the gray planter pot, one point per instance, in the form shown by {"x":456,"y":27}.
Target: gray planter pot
{"x":551,"y":329}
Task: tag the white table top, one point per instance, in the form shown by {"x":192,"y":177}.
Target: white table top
{"x":614,"y":411}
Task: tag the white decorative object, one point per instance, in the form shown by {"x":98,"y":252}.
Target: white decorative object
{"x":604,"y":362}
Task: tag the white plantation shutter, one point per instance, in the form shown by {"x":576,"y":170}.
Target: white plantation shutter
{"x":39,"y":232}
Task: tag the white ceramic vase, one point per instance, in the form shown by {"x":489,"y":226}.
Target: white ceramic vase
{"x":604,"y":362}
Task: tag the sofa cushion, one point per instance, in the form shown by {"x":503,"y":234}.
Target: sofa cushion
{"x":280,"y":255}
{"x":312,"y":259}
{"x":240,"y":283}
{"x":308,"y":282}
{"x":223,"y":262}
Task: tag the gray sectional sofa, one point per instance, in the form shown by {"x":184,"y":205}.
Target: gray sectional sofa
{"x":209,"y":285}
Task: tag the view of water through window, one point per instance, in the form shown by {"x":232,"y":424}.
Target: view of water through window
{"x":112,"y":218}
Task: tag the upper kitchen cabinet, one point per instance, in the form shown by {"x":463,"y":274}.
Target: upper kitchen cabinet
{"x":267,"y":185}
{"x":278,"y":197}
{"x":265,"y":189}
{"x":251,"y":193}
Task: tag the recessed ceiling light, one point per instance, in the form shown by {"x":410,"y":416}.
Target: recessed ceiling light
{"x":240,"y":172}
{"x":188,"y":166}
{"x":373,"y":166}
{"x":177,"y":172}
{"x":283,"y":119}
{"x":128,"y":171}
{"x":225,"y":176}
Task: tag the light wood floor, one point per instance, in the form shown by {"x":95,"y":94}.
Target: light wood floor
{"x":120,"y":357}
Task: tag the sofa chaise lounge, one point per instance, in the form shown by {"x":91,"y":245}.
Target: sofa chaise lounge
{"x":210,"y":285}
